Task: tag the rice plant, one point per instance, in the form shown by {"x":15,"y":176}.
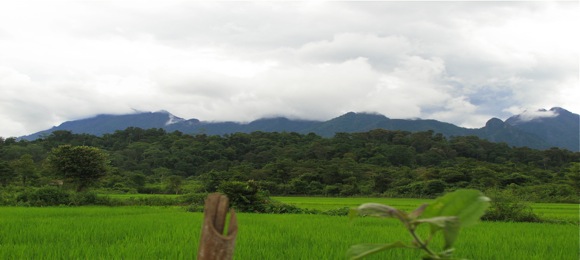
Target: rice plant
{"x":173,"y":233}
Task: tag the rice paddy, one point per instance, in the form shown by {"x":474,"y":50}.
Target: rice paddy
{"x":173,"y":233}
{"x":548,"y":211}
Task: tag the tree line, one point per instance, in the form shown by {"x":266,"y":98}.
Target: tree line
{"x":374,"y":163}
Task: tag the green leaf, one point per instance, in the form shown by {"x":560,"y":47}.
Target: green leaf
{"x":449,"y":225}
{"x":379,"y":210}
{"x":418,"y":211}
{"x":450,"y":232}
{"x":467,"y":205}
{"x":447,"y":253}
{"x":362,"y":250}
{"x":438,"y":221}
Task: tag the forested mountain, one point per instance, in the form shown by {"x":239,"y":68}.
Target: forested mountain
{"x":103,"y":124}
{"x":561,"y":129}
{"x":377,"y":162}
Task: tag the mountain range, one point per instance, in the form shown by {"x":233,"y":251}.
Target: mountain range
{"x":540,"y":129}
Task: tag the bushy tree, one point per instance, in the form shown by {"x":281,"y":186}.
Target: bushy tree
{"x":244,"y":196}
{"x":7,"y":174}
{"x":506,"y":206}
{"x":78,"y":165}
{"x":174,"y":183}
{"x":393,"y":163}
{"x":25,"y":168}
{"x":574,"y":176}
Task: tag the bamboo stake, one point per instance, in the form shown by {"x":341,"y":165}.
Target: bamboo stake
{"x":214,"y":245}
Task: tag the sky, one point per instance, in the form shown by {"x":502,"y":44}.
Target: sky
{"x":458,"y":62}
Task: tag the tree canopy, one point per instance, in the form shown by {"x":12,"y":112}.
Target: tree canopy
{"x":378,"y":163}
{"x":79,"y":165}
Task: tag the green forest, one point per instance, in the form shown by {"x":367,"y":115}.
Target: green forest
{"x":378,"y":163}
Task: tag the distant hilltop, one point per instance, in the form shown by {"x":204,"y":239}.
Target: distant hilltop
{"x":541,"y":129}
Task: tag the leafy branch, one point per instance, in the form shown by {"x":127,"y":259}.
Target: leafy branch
{"x":447,"y":214}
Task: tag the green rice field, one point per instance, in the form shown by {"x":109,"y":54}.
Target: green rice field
{"x":326,"y":203}
{"x":173,"y":233}
{"x":549,"y":211}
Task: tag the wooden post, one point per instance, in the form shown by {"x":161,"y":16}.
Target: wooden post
{"x":214,"y":245}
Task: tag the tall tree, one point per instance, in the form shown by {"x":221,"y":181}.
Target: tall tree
{"x":574,"y":176}
{"x":7,"y":174}
{"x":25,"y":168}
{"x":79,"y":165}
{"x":174,"y":183}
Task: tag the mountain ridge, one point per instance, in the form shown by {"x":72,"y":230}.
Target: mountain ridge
{"x":541,"y":129}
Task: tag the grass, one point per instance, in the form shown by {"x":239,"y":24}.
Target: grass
{"x":172,"y":233}
{"x":96,"y":233}
{"x":326,"y":203}
{"x":549,"y":211}
{"x":557,"y":211}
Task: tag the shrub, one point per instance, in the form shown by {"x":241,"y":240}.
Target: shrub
{"x":194,"y":208}
{"x":108,"y":201}
{"x":196,"y":201}
{"x":331,"y":190}
{"x":151,"y":201}
{"x":277,"y":207}
{"x":506,"y":206}
{"x":83,"y":198}
{"x":7,"y":198}
{"x":560,"y":193}
{"x":244,"y":196}
{"x":45,"y":196}
{"x":338,"y":212}
{"x":434,"y":187}
{"x":151,"y":189}
{"x":193,"y":198}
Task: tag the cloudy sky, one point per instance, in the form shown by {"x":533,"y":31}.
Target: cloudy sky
{"x":459,"y":62}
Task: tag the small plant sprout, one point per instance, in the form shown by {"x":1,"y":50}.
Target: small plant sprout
{"x":447,"y":214}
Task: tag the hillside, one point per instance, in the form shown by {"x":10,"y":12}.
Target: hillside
{"x":541,"y":130}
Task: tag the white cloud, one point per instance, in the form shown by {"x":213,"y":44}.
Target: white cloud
{"x":380,"y":51}
{"x":415,"y":84}
{"x":309,"y":91}
{"x":531,"y":115}
{"x":462,"y":62}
